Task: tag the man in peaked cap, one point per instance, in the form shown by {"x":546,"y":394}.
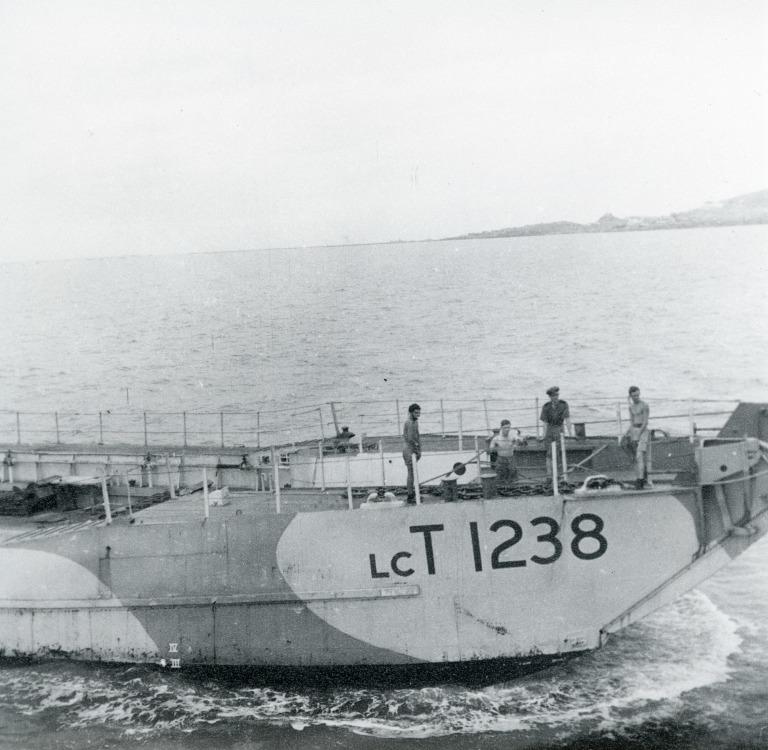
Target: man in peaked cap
{"x":555,"y":414}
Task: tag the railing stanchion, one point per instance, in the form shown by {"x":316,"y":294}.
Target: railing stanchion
{"x":691,"y":423}
{"x":276,"y":474}
{"x":170,"y":476}
{"x":383,"y":467}
{"x":128,"y":490}
{"x":461,"y":432}
{"x":58,"y":436}
{"x":398,"y":426}
{"x":146,"y":434}
{"x":206,"y":510}
{"x":619,"y":431}
{"x":221,"y":427}
{"x":149,"y":472}
{"x":101,"y":429}
{"x":555,"y":478}
{"x":291,"y":431}
{"x":321,"y":458}
{"x":417,"y":489}
{"x":477,"y":456}
{"x":184,"y":426}
{"x":349,"y":480}
{"x":334,"y":417}
{"x":320,"y":416}
{"x":442,"y":418}
{"x":18,"y":428}
{"x":649,"y":457}
{"x":258,"y":429}
{"x":565,"y":461}
{"x":536,"y":416}
{"x":105,"y":498}
{"x":485,"y":409}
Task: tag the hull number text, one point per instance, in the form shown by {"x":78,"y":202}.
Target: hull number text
{"x":585,"y":542}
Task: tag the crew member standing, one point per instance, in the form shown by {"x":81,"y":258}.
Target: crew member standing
{"x":504,"y":445}
{"x":411,"y":446}
{"x":555,"y":414}
{"x":638,"y":435}
{"x":342,"y":440}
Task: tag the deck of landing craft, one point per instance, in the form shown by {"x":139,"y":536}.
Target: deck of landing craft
{"x":249,"y":503}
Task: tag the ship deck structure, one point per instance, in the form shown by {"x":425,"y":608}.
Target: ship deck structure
{"x":304,"y":558}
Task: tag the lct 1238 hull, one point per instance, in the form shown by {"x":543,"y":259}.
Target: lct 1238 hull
{"x":528,"y":580}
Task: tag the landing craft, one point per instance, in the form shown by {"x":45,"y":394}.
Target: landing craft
{"x":499,"y":585}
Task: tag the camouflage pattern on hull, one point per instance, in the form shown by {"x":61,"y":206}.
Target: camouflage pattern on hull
{"x":525,"y":580}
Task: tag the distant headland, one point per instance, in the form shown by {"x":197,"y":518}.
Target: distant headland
{"x":751,"y":208}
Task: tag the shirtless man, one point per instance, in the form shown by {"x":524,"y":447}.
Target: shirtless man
{"x":638,"y":435}
{"x":504,"y":445}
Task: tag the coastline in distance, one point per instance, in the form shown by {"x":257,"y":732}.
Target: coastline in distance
{"x":751,"y":208}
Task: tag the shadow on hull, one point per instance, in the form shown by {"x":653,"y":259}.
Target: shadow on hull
{"x":476,"y":673}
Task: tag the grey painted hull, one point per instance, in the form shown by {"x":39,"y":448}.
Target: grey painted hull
{"x":525,"y":581}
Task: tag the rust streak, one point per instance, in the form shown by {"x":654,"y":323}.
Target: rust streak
{"x":499,"y":629}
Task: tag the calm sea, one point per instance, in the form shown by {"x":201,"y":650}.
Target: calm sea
{"x":681,"y":313}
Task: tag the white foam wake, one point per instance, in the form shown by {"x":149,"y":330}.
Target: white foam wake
{"x":640,"y":674}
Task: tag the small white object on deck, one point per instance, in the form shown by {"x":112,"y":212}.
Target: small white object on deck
{"x":219,"y":497}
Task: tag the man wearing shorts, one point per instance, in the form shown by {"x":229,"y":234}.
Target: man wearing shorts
{"x":638,"y":435}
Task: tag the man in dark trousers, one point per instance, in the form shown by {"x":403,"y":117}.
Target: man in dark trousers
{"x":555,"y":415}
{"x":411,"y":446}
{"x":503,"y":445}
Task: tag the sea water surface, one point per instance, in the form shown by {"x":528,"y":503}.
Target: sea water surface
{"x":680,"y":313}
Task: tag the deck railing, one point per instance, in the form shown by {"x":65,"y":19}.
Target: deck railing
{"x":290,"y":426}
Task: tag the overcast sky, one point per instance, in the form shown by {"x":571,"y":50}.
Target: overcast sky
{"x":169,"y":127}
